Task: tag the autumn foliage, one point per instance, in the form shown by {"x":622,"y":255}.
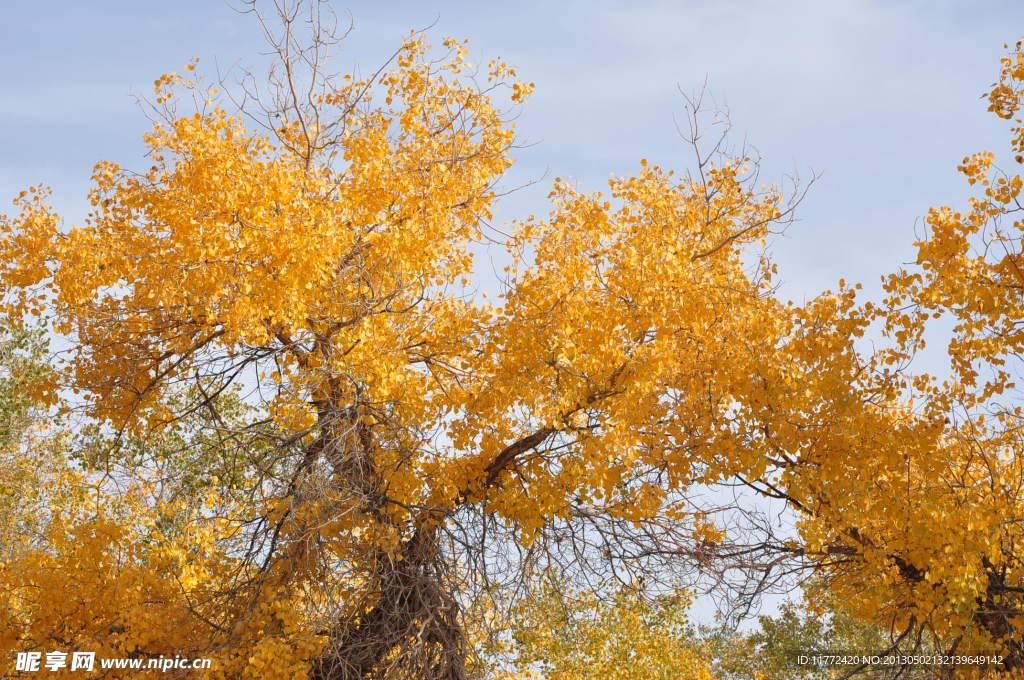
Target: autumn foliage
{"x":290,"y":436}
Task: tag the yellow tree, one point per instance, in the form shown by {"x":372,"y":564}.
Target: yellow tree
{"x":969,"y":272}
{"x":320,"y":261}
{"x":414,"y":445}
{"x":913,"y":508}
{"x":564,"y":633}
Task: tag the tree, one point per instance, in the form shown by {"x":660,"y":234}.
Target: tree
{"x":940,"y":551}
{"x":318,"y":260}
{"x":563,"y":633}
{"x":284,"y":297}
{"x":23,"y":371}
{"x":818,"y":626}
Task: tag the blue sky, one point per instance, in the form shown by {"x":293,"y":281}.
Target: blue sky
{"x":881,"y":98}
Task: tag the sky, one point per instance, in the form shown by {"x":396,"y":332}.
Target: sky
{"x":881,"y":98}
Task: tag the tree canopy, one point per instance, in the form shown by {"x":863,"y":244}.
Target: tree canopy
{"x":292,"y":438}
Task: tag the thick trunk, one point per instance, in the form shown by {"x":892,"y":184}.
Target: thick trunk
{"x":412,"y":626}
